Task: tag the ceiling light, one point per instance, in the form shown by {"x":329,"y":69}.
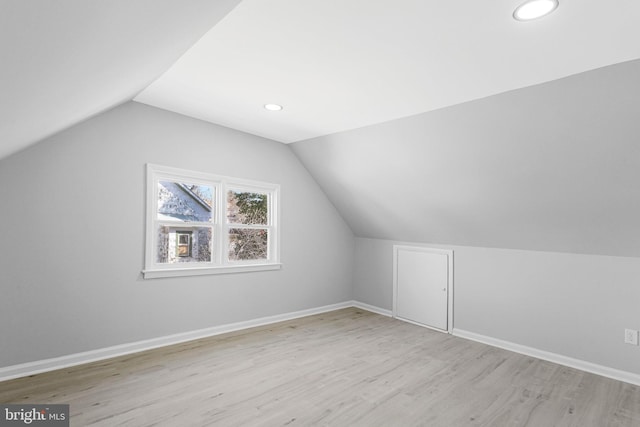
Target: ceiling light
{"x":534,"y":9}
{"x":272,"y":107}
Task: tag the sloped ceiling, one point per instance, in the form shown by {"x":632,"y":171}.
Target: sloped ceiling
{"x":337,"y":65}
{"x":553,"y":167}
{"x":413,"y":124}
{"x":64,"y":61}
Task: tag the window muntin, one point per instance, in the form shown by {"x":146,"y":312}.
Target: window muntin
{"x":187,"y":232}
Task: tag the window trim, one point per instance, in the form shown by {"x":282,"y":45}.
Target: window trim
{"x":219,"y":226}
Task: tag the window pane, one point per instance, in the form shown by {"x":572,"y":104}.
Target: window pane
{"x":247,"y":208}
{"x":177,"y":245}
{"x":248,"y":243}
{"x":178,"y":201}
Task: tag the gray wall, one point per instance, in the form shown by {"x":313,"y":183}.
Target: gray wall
{"x":573,"y":305}
{"x":72,"y":227}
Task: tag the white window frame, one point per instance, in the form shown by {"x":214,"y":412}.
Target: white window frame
{"x":220,"y":264}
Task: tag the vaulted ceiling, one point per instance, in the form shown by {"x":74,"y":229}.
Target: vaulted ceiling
{"x":64,"y":61}
{"x":553,"y":167}
{"x":336,"y":65}
{"x":439,"y":121}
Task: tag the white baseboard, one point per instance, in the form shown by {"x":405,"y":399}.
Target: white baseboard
{"x":582,"y":365}
{"x":372,"y":308}
{"x":39,"y":366}
{"x":36,"y":367}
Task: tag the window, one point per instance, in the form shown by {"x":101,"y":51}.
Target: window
{"x":184,"y":243}
{"x":199,"y":223}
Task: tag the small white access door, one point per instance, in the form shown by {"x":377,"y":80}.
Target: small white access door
{"x":423,"y":286}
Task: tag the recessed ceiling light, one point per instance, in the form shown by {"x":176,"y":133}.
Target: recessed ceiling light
{"x":534,"y":9}
{"x":272,"y":107}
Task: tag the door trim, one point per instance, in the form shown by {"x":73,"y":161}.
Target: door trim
{"x":449,"y":255}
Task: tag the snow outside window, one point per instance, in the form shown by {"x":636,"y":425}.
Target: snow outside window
{"x":199,"y":223}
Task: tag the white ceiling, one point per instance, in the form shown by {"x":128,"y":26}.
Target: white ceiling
{"x":334,"y":64}
{"x":482,"y":172}
{"x":63,"y":61}
{"x":343,"y":64}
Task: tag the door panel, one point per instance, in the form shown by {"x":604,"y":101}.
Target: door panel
{"x":422,"y":287}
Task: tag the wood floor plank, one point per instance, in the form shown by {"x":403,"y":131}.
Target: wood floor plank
{"x":344,"y":368}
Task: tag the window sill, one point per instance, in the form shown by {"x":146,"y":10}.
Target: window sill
{"x":203,"y":271}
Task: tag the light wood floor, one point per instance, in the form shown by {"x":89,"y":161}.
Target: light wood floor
{"x":344,"y":368}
